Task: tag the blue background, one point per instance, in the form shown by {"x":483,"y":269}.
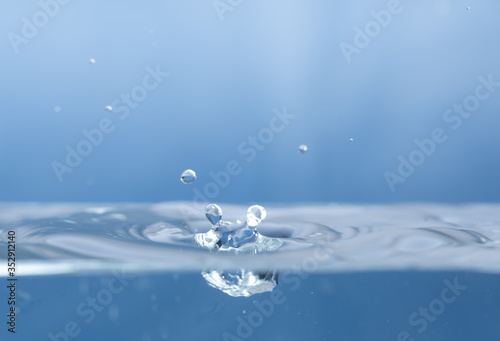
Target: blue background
{"x":225,"y":79}
{"x":364,"y":306}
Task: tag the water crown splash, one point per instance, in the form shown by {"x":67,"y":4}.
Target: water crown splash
{"x":238,"y":237}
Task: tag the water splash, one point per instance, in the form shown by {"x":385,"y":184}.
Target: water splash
{"x":238,"y":237}
{"x":96,"y":238}
{"x":255,"y":214}
{"x":214,"y":214}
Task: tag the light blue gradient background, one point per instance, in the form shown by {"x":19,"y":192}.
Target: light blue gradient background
{"x":225,"y":79}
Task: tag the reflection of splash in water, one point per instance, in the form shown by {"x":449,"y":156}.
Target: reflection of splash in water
{"x":241,"y":283}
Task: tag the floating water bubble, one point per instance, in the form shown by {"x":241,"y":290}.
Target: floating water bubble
{"x":92,"y":61}
{"x":302,"y":148}
{"x":468,"y":8}
{"x":108,"y":108}
{"x":213,"y":214}
{"x":188,"y":176}
{"x":351,"y":139}
{"x":255,"y":214}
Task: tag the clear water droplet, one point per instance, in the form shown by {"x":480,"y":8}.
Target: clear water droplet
{"x":351,"y":139}
{"x":188,"y":176}
{"x":57,"y":108}
{"x":302,"y":148}
{"x":108,"y":108}
{"x":214,"y":214}
{"x":255,"y":214}
{"x":468,"y":8}
{"x":92,"y":61}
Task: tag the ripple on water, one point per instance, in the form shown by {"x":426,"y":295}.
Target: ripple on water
{"x":159,"y":237}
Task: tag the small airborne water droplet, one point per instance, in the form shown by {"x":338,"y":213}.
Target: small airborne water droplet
{"x":468,"y":8}
{"x":108,"y":108}
{"x":57,"y":108}
{"x":351,"y":139}
{"x":92,"y":61}
{"x":302,"y":148}
{"x":188,"y":176}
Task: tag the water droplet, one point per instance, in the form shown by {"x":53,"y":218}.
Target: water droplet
{"x":188,"y":176}
{"x":57,"y":108}
{"x":468,"y":8}
{"x":255,"y":214}
{"x":108,"y":108}
{"x":214,"y":214}
{"x":351,"y":139}
{"x":302,"y":148}
{"x":92,"y":61}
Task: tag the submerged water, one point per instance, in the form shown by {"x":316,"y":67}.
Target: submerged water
{"x":363,"y":272}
